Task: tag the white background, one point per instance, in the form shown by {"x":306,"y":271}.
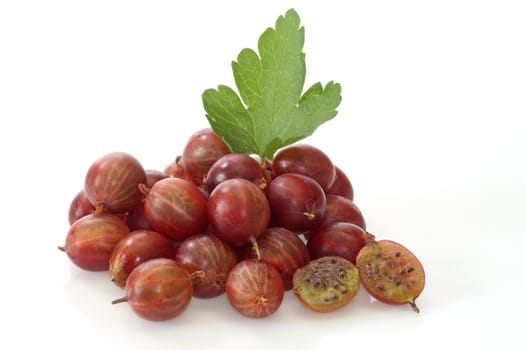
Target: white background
{"x":430,"y":131}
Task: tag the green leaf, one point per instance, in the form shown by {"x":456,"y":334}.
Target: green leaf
{"x":269,"y":112}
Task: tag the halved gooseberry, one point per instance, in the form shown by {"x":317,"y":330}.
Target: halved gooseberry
{"x":390,"y":272}
{"x":326,"y":284}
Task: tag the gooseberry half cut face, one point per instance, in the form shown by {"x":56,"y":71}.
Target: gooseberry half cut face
{"x":390,"y":272}
{"x":326,"y":284}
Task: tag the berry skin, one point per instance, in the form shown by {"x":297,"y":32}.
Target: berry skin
{"x":176,"y":208}
{"x":211,"y":255}
{"x":342,"y":209}
{"x":235,"y":165}
{"x":112,"y":182}
{"x":305,"y":160}
{"x":342,"y":185}
{"x":158,"y":289}
{"x":80,"y":206}
{"x":297,"y":202}
{"x":202,"y":150}
{"x":255,"y":288}
{"x":339,"y":238}
{"x":90,"y":240}
{"x":283,"y":249}
{"x":134,"y":249}
{"x":238,"y":211}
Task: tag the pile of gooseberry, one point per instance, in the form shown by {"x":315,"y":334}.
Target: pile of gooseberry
{"x":217,"y":222}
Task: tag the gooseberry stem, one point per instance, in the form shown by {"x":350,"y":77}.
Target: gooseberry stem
{"x":255,"y":247}
{"x":260,"y":300}
{"x":197,"y":276}
{"x":120,"y":300}
{"x":414,"y":306}
{"x":143,"y":188}
{"x":368,"y":237}
{"x":100,"y":208}
{"x":309,"y":216}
